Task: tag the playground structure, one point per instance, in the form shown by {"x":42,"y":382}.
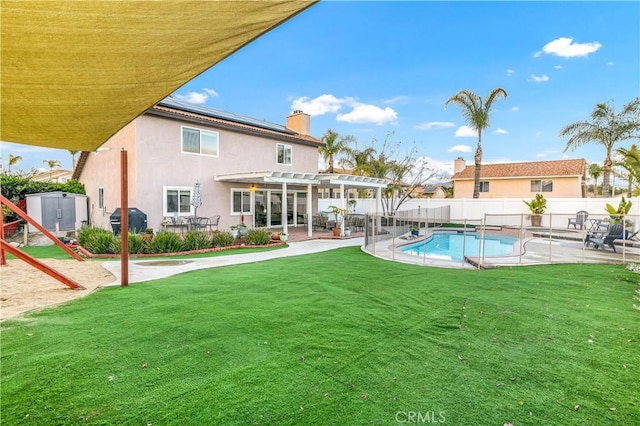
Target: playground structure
{"x":6,"y":247}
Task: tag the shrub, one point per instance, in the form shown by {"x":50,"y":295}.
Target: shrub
{"x":222,"y":239}
{"x":258,"y":236}
{"x":196,"y":240}
{"x":136,"y":244}
{"x":98,"y":241}
{"x":166,"y":242}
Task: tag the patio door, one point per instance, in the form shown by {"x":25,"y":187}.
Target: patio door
{"x":268,"y":208}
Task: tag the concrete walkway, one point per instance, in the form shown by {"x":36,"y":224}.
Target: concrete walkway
{"x":152,"y":269}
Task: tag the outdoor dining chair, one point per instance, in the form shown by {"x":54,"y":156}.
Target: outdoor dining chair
{"x":213,"y":223}
{"x":579,"y":220}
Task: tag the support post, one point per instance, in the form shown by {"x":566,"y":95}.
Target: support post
{"x":124,"y":220}
{"x":309,"y":210}
{"x":285,"y":207}
{"x":3,"y":257}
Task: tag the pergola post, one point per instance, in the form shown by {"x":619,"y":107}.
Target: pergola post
{"x":124,"y":220}
{"x":285,"y":207}
{"x":309,"y":212}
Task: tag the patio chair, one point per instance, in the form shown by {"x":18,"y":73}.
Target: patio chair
{"x":579,"y":220}
{"x":607,"y":239}
{"x":213,"y":223}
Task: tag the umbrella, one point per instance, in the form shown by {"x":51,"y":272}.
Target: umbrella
{"x":196,"y":197}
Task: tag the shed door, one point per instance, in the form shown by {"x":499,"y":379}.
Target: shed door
{"x":68,"y":208}
{"x":61,"y":210}
{"x":49,"y":213}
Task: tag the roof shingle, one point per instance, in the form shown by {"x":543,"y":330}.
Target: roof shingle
{"x":526,"y":169}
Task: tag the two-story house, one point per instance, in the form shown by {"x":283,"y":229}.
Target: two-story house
{"x":260,"y":172}
{"x":553,"y":179}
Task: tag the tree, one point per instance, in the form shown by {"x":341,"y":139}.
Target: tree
{"x":476,"y":113}
{"x":405,"y":174}
{"x":334,"y":146}
{"x":73,"y":158}
{"x":630,"y":161}
{"x":605,"y":127}
{"x":595,"y":171}
{"x":52,"y":164}
{"x":13,"y":160}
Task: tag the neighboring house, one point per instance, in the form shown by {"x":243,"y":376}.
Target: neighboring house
{"x":553,"y":179}
{"x":434,"y":191}
{"x":58,"y":176}
{"x":263,"y":173}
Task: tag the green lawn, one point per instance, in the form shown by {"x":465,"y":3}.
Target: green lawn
{"x":335,"y":338}
{"x":52,"y":251}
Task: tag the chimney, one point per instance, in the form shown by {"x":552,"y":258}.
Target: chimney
{"x":459,"y":165}
{"x":299,"y":122}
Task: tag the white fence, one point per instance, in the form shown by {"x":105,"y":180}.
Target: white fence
{"x":510,"y":209}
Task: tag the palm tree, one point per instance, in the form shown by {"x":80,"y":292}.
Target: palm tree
{"x":334,"y":146}
{"x":630,"y":161}
{"x":73,"y":158}
{"x":607,"y":128}
{"x":595,"y":171}
{"x":476,"y":113}
{"x":52,"y":164}
{"x":13,"y":160}
{"x":358,"y":160}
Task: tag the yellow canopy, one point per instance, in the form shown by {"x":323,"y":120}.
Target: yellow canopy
{"x":76,"y":72}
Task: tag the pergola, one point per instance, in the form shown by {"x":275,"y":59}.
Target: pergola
{"x":75,"y":72}
{"x":310,"y":180}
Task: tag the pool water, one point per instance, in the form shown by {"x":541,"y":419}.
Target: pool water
{"x":454,"y":246}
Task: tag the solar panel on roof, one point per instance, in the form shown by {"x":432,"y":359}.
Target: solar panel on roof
{"x":223,"y":115}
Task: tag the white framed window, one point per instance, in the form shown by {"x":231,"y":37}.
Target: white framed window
{"x":176,"y":201}
{"x":101,"y":198}
{"x":241,"y":202}
{"x":538,"y":185}
{"x":202,"y":142}
{"x":484,"y":186}
{"x":283,"y":154}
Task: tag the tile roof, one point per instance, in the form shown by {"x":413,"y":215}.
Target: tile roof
{"x":526,"y":169}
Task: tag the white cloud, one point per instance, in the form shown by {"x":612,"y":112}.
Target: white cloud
{"x":211,"y":92}
{"x":435,"y":125}
{"x":565,"y":47}
{"x":541,"y":155}
{"x":466,"y":132}
{"x":539,"y":78}
{"x":558,"y":67}
{"x":511,"y":72}
{"x":460,"y":148}
{"x":515,"y":108}
{"x":369,"y":114}
{"x":396,"y":99}
{"x":321,"y":105}
{"x":500,"y":131}
{"x":194,"y":97}
{"x":610,"y":63}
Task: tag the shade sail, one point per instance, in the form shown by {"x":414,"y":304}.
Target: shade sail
{"x":76,"y":72}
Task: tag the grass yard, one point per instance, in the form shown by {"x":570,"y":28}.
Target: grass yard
{"x":52,"y":251}
{"x":335,"y":338}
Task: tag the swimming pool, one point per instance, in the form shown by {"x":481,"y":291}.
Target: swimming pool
{"x":454,"y":246}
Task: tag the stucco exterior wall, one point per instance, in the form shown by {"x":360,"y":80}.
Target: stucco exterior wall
{"x":563,"y":187}
{"x":102,"y":170}
{"x":156,"y":161}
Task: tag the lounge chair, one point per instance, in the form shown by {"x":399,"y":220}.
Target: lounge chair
{"x":579,"y":220}
{"x":607,"y":239}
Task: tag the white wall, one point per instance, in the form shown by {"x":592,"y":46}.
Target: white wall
{"x":558,"y":209}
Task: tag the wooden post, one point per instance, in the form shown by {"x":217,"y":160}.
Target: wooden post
{"x":3,"y":257}
{"x":124,"y":220}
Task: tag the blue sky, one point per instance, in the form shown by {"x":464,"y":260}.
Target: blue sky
{"x":371,"y":69}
